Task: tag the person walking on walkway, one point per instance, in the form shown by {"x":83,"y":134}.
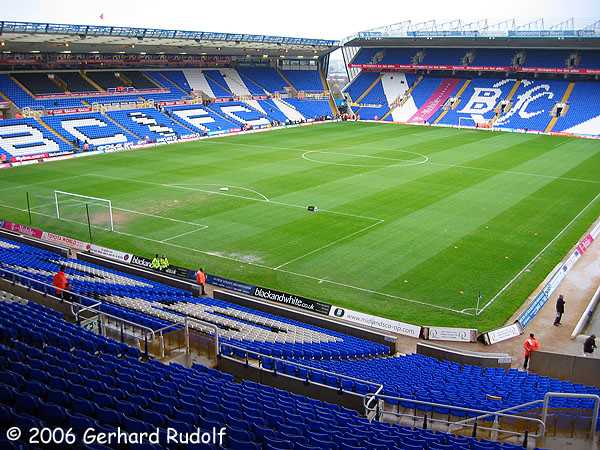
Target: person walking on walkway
{"x":201,"y":280}
{"x":531,"y":345}
{"x":560,"y":309}
{"x":589,"y":345}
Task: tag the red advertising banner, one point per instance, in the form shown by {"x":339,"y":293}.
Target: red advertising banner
{"x":398,"y":67}
{"x":70,"y":110}
{"x":23,"y":229}
{"x":101,"y":94}
{"x":585,"y":244}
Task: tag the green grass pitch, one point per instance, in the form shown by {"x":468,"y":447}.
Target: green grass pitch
{"x":413,"y":222}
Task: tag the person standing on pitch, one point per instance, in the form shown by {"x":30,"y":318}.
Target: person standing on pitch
{"x":531,"y":345}
{"x":201,"y":280}
{"x":589,"y":345}
{"x":560,"y":309}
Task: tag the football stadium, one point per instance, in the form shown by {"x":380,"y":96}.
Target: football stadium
{"x":227,"y":240}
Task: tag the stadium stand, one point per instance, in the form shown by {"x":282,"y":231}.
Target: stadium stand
{"x":374,"y":105}
{"x":201,"y":119}
{"x":542,"y":95}
{"x":311,"y":109}
{"x":423,"y":378}
{"x":93,"y":128}
{"x":22,"y":99}
{"x":304,"y":80}
{"x":241,"y":113}
{"x":217,"y":84}
{"x":20,"y":138}
{"x":57,"y":374}
{"x":106,"y":80}
{"x":171,"y":79}
{"x":75,"y":82}
{"x":149,"y":123}
{"x":37,"y":83}
{"x":583,"y":113}
{"x":265,"y":77}
{"x":251,"y":329}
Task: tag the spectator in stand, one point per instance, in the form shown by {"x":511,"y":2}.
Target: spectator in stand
{"x":589,"y":345}
{"x":201,"y":280}
{"x":86,"y":146}
{"x":60,"y":283}
{"x":531,"y":345}
{"x":560,"y":309}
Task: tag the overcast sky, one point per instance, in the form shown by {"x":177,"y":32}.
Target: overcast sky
{"x":331,"y":19}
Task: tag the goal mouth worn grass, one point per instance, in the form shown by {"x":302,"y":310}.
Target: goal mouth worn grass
{"x":412,"y":223}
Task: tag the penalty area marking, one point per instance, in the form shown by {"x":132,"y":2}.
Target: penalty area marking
{"x":302,"y":275}
{"x":407,"y":162}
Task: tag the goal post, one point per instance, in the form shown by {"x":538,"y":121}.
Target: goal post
{"x":97,"y":212}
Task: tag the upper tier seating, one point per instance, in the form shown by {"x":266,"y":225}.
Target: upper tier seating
{"x":22,"y":99}
{"x":106,"y":80}
{"x":265,"y":77}
{"x":25,"y":137}
{"x":79,"y":386}
{"x":75,"y":82}
{"x":174,"y":80}
{"x":444,"y":56}
{"x":38,"y":83}
{"x":242,"y":326}
{"x":305,"y":80}
{"x":385,"y":56}
{"x":424,"y":378}
{"x":139,"y":80}
{"x":493,"y":57}
{"x":149,"y":123}
{"x":217,"y":83}
{"x":93,"y":128}
{"x":547,"y":58}
{"x":590,"y":59}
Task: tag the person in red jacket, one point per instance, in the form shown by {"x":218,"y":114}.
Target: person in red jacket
{"x":60,"y":282}
{"x":201,"y":280}
{"x":531,"y":345}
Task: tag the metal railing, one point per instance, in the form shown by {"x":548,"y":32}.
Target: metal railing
{"x":540,"y":424}
{"x":77,"y":308}
{"x":260,"y":357}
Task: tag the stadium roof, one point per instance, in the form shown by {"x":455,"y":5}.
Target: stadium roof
{"x":50,"y":37}
{"x":508,"y":33}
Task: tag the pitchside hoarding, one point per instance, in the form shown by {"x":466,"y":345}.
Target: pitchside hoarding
{"x":405,"y":329}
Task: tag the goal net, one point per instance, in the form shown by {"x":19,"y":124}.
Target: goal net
{"x":96,"y":212}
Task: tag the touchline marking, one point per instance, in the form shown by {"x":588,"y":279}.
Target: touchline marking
{"x":327,"y":245}
{"x":273,"y":202}
{"x":515,"y":172}
{"x":533,"y":260}
{"x":216,"y":255}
